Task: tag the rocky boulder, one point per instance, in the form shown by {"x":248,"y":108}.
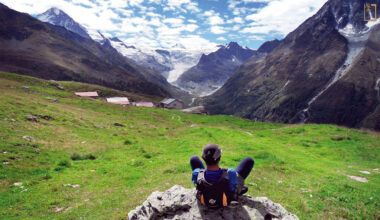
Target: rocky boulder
{"x":195,"y":110}
{"x":180,"y":203}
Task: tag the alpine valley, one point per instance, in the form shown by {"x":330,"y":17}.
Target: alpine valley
{"x":326,"y":71}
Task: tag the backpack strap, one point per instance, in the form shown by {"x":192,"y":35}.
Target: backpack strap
{"x":224,"y":174}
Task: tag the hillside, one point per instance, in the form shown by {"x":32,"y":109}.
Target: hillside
{"x":74,"y":162}
{"x":31,"y":47}
{"x":326,"y":71}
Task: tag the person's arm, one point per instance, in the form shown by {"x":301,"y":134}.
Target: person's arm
{"x":194,"y":176}
{"x":232,"y":179}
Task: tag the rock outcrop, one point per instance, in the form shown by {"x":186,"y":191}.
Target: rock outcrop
{"x":195,"y":110}
{"x":180,"y":203}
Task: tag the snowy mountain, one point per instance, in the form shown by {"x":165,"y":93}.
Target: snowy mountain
{"x":171,"y":62}
{"x":214,"y":69}
{"x":325,"y":71}
{"x":58,"y":17}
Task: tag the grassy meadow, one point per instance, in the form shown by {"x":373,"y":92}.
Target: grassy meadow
{"x":74,"y":163}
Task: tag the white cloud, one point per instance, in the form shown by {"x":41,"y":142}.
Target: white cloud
{"x":221,"y":39}
{"x":256,"y":37}
{"x":215,"y":19}
{"x":282,"y":16}
{"x":180,"y":5}
{"x":236,"y":27}
{"x":175,"y":22}
{"x":238,"y":20}
{"x":132,"y":2}
{"x":217,"y":30}
{"x":142,"y":21}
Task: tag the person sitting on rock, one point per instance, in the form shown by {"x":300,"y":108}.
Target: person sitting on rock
{"x":218,"y":187}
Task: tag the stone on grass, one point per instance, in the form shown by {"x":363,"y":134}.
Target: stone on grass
{"x":98,"y":126}
{"x":54,"y":83}
{"x":17,"y":184}
{"x":365,"y":172}
{"x":28,"y":138}
{"x":358,"y":178}
{"x":59,"y":209}
{"x":195,"y":110}
{"x":72,"y":185}
{"x":118,"y":124}
{"x":52,"y":99}
{"x":31,"y":118}
{"x":180,"y":203}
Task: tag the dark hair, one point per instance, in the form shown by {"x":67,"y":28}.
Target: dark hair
{"x":211,"y":154}
{"x":210,"y":161}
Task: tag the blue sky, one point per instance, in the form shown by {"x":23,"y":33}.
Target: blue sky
{"x":193,"y":24}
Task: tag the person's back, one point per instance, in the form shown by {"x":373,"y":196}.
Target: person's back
{"x":219,"y":182}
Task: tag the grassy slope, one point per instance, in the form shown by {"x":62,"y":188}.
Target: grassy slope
{"x":151,"y":153}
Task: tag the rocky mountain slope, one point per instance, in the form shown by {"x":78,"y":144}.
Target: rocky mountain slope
{"x":325,"y":71}
{"x":180,"y":203}
{"x":31,"y":47}
{"x":213,"y":70}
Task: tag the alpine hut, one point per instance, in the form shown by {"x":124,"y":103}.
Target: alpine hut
{"x":171,"y":103}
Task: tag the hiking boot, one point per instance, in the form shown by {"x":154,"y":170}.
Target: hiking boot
{"x":244,"y":189}
{"x":241,"y":188}
{"x":234,"y":204}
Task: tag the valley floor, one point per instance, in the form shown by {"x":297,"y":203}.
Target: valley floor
{"x":75,"y":163}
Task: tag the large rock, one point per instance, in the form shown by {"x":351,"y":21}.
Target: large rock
{"x":180,"y":203}
{"x":195,"y":110}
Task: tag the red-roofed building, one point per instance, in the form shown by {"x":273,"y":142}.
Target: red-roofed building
{"x":145,"y":104}
{"x":118,"y":100}
{"x":87,"y":94}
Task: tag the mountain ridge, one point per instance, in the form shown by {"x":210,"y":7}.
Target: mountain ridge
{"x":316,"y":57}
{"x":213,"y":70}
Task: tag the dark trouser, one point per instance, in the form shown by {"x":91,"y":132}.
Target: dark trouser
{"x":243,"y":169}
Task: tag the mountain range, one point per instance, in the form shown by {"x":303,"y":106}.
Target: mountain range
{"x":214,"y":69}
{"x":171,"y":62}
{"x":29,"y":46}
{"x":325,"y":71}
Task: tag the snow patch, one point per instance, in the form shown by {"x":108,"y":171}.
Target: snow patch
{"x":377,"y":88}
{"x":57,"y":11}
{"x":287,"y":82}
{"x":365,"y":172}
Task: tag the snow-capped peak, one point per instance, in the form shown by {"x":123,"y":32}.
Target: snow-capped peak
{"x":57,"y":11}
{"x":58,"y":17}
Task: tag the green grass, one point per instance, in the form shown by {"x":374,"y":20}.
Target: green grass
{"x":303,"y":167}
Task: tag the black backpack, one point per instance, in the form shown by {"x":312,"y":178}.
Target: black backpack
{"x":213,"y":195}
